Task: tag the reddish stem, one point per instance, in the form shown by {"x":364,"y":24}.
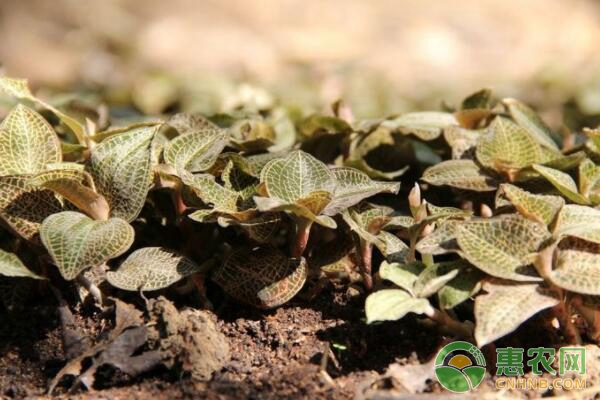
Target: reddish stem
{"x":302,"y":234}
{"x":366,"y":254}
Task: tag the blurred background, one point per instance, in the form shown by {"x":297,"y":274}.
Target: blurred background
{"x":382,"y":56}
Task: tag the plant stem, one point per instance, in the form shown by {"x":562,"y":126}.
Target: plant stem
{"x":302,"y":234}
{"x":458,"y":328}
{"x":92,"y":288}
{"x":366,"y":254}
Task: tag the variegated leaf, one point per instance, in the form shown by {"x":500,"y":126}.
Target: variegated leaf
{"x":392,"y":247}
{"x":352,"y":186}
{"x":462,"y":174}
{"x":76,"y":242}
{"x":19,"y":88}
{"x":502,"y":246}
{"x":563,"y":182}
{"x":27,"y":143}
{"x":122,"y":169}
{"x":393,"y":304}
{"x":442,"y":240}
{"x":12,"y":266}
{"x":577,"y":266}
{"x":151,"y":268}
{"x":77,"y":187}
{"x":589,"y":177}
{"x":262,"y":277}
{"x":24,"y":207}
{"x":196,"y":151}
{"x":296,"y":176}
{"x":507,"y":146}
{"x":505,"y":307}
{"x":530,"y":121}
{"x":578,"y":221}
{"x":537,"y":207}
{"x":426,"y":125}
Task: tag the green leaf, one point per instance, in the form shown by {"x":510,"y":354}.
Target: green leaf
{"x":196,"y":151}
{"x":296,"y":176}
{"x":352,"y":186}
{"x":462,"y":174}
{"x":577,"y":266}
{"x":502,"y":246}
{"x":308,"y":207}
{"x":11,"y":266}
{"x":529,"y":120}
{"x":427,"y":125}
{"x":434,"y":277}
{"x":71,"y":184}
{"x":76,"y":242}
{"x":392,"y":248}
{"x":507,"y":146}
{"x":578,"y":221}
{"x":465,"y":285}
{"x":505,"y":307}
{"x":151,"y":268}
{"x":210,"y":192}
{"x":442,"y":240}
{"x":589,"y":176}
{"x":122,"y":169}
{"x":540,"y":208}
{"x":27,"y":143}
{"x":262,"y":277}
{"x":393,"y":304}
{"x":563,"y":182}
{"x":402,"y":275}
{"x":19,"y":88}
{"x":23,"y":207}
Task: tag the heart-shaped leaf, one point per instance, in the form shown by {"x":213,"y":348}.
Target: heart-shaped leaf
{"x":507,"y":146}
{"x":393,"y":304}
{"x":11,"y":265}
{"x":19,"y":88}
{"x":122,"y":169}
{"x":577,"y":266}
{"x":563,"y":182}
{"x":196,"y":151}
{"x":502,"y":246}
{"x":505,"y":307}
{"x":27,"y":143}
{"x":71,"y":184}
{"x":462,"y":174}
{"x":352,"y":186}
{"x":426,"y":125}
{"x":262,"y":277}
{"x":537,"y":207}
{"x":76,"y":242}
{"x":529,"y":120}
{"x":296,"y":176}
{"x":151,"y":268}
{"x":24,"y":207}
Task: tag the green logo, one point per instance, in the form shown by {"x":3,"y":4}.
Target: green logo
{"x":460,"y":367}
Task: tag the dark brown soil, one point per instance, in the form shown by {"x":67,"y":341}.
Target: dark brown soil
{"x":305,"y":349}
